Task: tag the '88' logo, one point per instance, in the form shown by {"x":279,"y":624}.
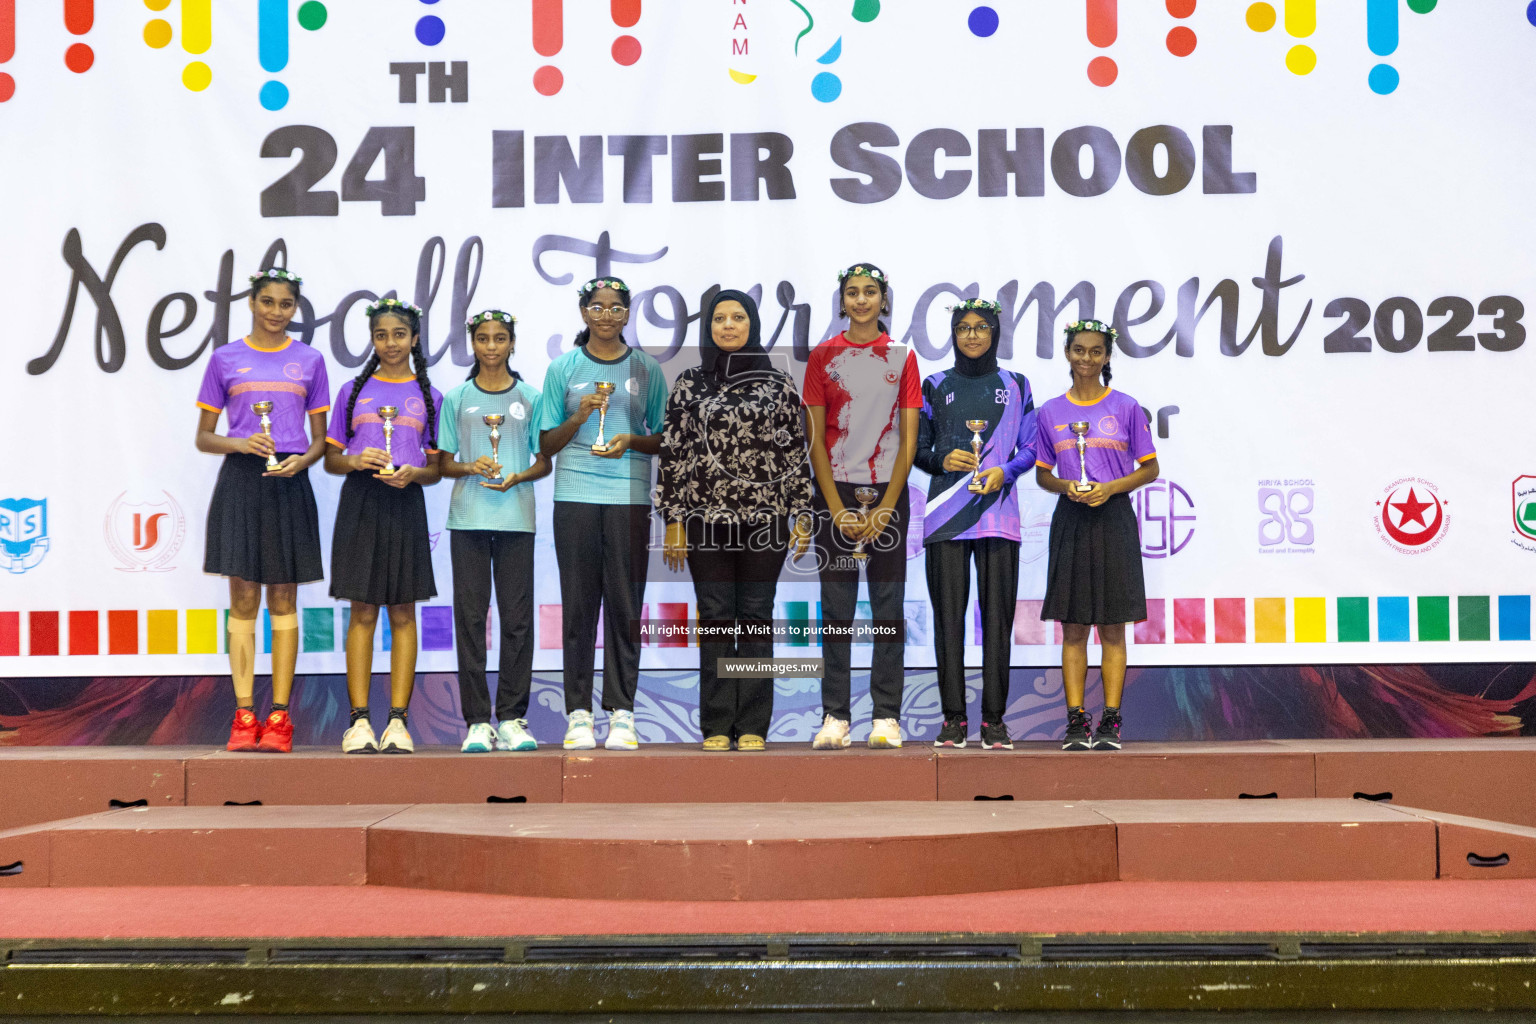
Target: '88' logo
{"x":1286,"y":511}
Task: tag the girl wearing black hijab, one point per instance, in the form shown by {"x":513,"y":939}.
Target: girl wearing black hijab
{"x":973,"y":513}
{"x":733,"y":476}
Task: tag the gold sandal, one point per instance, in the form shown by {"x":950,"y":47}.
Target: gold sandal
{"x":750,"y":742}
{"x":717,"y":743}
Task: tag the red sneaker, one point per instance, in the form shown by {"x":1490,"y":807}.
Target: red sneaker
{"x":277,"y":734}
{"x":245,"y":733}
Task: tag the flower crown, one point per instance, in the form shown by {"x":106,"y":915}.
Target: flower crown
{"x":600,"y":283}
{"x":978,"y":306}
{"x":276,"y":274}
{"x":1096,"y":326}
{"x":862,"y":271}
{"x":391,"y":306}
{"x":490,"y":314}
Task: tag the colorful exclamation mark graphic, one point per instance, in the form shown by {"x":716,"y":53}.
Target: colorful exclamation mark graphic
{"x":272,"y":42}
{"x":1381,"y":37}
{"x":1300,"y":21}
{"x":196,"y":37}
{"x":157,"y":31}
{"x":7,"y":46}
{"x":626,"y":14}
{"x":430,"y":29}
{"x":1181,"y":38}
{"x":79,"y":16}
{"x":548,"y":38}
{"x":1103,"y":27}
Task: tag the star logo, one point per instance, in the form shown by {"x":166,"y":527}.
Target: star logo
{"x":1411,"y":517}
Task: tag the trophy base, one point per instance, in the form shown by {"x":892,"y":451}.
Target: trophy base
{"x":599,"y":449}
{"x":1082,"y":488}
{"x":387,"y":471}
{"x":273,"y":465}
{"x":862,"y":556}
{"x":976,"y":487}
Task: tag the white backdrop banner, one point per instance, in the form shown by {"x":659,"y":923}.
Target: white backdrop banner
{"x":1311,"y":229}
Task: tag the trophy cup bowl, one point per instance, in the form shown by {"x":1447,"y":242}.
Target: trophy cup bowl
{"x":262,"y":409}
{"x":865,"y":496}
{"x":976,"y":427}
{"x":605,"y":389}
{"x":387,"y":413}
{"x":1080,"y":429}
{"x":494,"y":420}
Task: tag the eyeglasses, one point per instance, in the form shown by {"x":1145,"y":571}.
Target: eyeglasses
{"x":973,"y":330}
{"x":597,"y":312}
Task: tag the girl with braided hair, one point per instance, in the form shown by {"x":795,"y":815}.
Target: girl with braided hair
{"x":380,"y":551}
{"x":1100,"y":436}
{"x":262,"y":525}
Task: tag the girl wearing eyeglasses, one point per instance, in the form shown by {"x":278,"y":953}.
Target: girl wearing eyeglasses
{"x":1095,"y":577}
{"x":973,"y":513}
{"x":602,"y":515}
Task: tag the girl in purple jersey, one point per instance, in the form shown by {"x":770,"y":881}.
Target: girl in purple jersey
{"x":380,"y":551}
{"x":1094,"y":578}
{"x":262,"y":525}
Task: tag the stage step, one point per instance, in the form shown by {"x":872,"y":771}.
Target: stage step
{"x":762,"y":851}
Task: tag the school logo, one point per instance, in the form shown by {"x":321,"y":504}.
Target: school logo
{"x":632,"y":386}
{"x":1411,"y":517}
{"x":1285,"y":511}
{"x":293,"y":371}
{"x":1109,"y":426}
{"x":23,"y":533}
{"x":1165,"y":515}
{"x":415,"y":406}
{"x":145,"y":536}
{"x":518,"y":412}
{"x":1522,"y":507}
{"x":891,"y":376}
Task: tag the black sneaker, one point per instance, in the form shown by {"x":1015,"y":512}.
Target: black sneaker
{"x":1107,"y":735}
{"x":994,"y":736}
{"x":1079,"y":724}
{"x":953,"y":733}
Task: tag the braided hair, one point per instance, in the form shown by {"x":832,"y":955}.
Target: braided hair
{"x":1077,"y":327}
{"x":492,"y":316}
{"x":875,"y":274}
{"x":587,"y":290}
{"x":412,"y":318}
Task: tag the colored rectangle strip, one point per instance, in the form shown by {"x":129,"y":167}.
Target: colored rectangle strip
{"x":550,"y":626}
{"x":1312,"y":620}
{"x":160,"y":631}
{"x":915,"y":623}
{"x":674,"y":616}
{"x":1231,"y":620}
{"x":123,"y":632}
{"x":1154,"y":628}
{"x":797,"y":616}
{"x":1354,"y":620}
{"x":10,"y":634}
{"x":1434,"y":618}
{"x":84,"y":632}
{"x":317,"y":628}
{"x":1269,"y":620}
{"x":202,"y":631}
{"x":1514,"y":616}
{"x":266,"y":631}
{"x":1472,"y":617}
{"x":437,"y":627}
{"x":1392,"y":619}
{"x":1029,"y":630}
{"x":42,"y":633}
{"x":1189,"y":620}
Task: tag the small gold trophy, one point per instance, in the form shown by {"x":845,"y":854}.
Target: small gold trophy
{"x":262,"y":409}
{"x":387,"y":413}
{"x":976,"y":427}
{"x":1080,"y":428}
{"x":494,"y":420}
{"x":604,"y":388}
{"x":866,"y":496}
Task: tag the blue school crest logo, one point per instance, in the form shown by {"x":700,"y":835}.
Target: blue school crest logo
{"x":23,"y":533}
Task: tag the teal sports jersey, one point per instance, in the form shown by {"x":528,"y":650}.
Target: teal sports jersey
{"x":638,"y":406}
{"x":461,"y":429}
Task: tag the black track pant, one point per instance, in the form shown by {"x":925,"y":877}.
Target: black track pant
{"x":479,"y":557}
{"x":949,"y":589}
{"x":602,"y":551}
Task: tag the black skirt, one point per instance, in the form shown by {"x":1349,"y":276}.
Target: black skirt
{"x":1094,"y":578}
{"x":380,"y":550}
{"x":262,"y":528}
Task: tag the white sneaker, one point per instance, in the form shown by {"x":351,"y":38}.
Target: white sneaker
{"x":833,"y":735}
{"x":514,"y":735}
{"x":396,"y":739}
{"x":621,"y":731}
{"x":359,"y":739}
{"x":578,"y":733}
{"x":481,"y":739}
{"x":885,"y":734}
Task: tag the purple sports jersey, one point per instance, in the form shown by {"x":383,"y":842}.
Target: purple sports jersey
{"x":1118,"y":438}
{"x":292,"y":378}
{"x":408,"y":445}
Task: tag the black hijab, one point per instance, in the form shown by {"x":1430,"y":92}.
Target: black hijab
{"x":984,"y":364}
{"x":749,"y":357}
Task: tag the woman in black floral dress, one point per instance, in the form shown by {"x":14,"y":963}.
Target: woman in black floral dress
{"x":735,"y":491}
